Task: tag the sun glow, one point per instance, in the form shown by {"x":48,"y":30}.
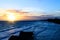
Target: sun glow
{"x":11,"y":17}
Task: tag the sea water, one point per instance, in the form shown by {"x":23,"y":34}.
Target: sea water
{"x":42,"y":30}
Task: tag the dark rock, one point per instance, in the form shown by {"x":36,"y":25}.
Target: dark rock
{"x":23,"y":36}
{"x":56,"y":20}
{"x":26,"y":36}
{"x":13,"y":37}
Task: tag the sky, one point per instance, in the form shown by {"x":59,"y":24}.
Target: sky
{"x":31,"y":5}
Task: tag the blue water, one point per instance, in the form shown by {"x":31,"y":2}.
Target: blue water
{"x":42,"y":30}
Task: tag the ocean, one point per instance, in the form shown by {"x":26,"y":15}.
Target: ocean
{"x":42,"y":30}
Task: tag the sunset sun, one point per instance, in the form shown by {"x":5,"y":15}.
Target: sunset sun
{"x":11,"y":17}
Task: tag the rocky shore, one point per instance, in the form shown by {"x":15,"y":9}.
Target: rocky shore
{"x":57,"y":21}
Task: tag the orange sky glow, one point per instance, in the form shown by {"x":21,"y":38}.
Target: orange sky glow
{"x":10,"y":15}
{"x":14,"y":15}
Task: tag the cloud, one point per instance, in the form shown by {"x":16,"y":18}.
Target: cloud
{"x":58,"y":11}
{"x":31,"y":9}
